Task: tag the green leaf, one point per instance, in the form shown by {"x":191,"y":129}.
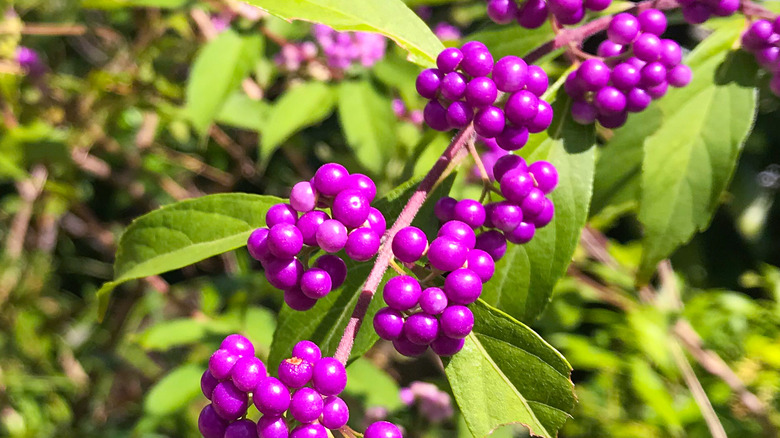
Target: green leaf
{"x":184,"y":331}
{"x":174,"y":391}
{"x":115,"y":4}
{"x":391,"y":18}
{"x":296,"y":109}
{"x":619,"y":165}
{"x":507,"y":374}
{"x":241,"y":111}
{"x":183,"y":233}
{"x":372,"y":385}
{"x":651,"y":389}
{"x":689,"y":161}
{"x":512,"y":40}
{"x":218,"y":69}
{"x":525,"y":276}
{"x":368,"y":122}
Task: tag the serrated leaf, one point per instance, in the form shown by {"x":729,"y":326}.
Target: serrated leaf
{"x":240,"y":111}
{"x":689,"y":161}
{"x":391,"y":18}
{"x":368,"y":122}
{"x":507,"y":374}
{"x":619,"y":165}
{"x":219,"y":68}
{"x":512,"y":40}
{"x":296,"y":109}
{"x":174,"y":391}
{"x":525,"y":276}
{"x":183,"y":233}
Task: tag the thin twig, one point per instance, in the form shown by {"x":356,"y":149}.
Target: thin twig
{"x":385,"y":254}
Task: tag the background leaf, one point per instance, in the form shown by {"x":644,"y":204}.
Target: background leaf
{"x":688,"y":162}
{"x":218,"y":69}
{"x":368,"y":122}
{"x":512,"y":40}
{"x":525,"y":276}
{"x":240,"y":111}
{"x":391,"y":18}
{"x":299,"y":107}
{"x":174,"y":391}
{"x":507,"y":374}
{"x":186,"y":232}
{"x":372,"y":385}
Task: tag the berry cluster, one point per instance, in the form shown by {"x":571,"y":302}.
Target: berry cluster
{"x":342,"y":49}
{"x":403,"y":113}
{"x":533,"y":13}
{"x":607,"y":95}
{"x":437,"y":316}
{"x":699,"y":11}
{"x":284,"y":245}
{"x":762,"y":39}
{"x":307,"y":389}
{"x":465,"y":87}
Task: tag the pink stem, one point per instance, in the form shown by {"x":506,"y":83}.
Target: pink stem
{"x":386,"y":253}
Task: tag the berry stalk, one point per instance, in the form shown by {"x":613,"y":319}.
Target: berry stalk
{"x":386,"y":253}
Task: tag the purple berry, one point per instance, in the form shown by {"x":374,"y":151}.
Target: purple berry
{"x":470,"y":212}
{"x":612,"y":121}
{"x":521,"y":107}
{"x":221,"y":363}
{"x":247,"y":372}
{"x":362,"y":244}
{"x":297,"y":300}
{"x":409,"y":244}
{"x":545,"y":216}
{"x":506,"y":163}
{"x":459,"y":114}
{"x":516,"y":185}
{"x":571,"y":18}
{"x":241,"y":429}
{"x":446,"y":346}
{"x":696,"y":13}
{"x":280,"y":214}
{"x":421,"y":328}
{"x":335,"y":267}
{"x":210,"y":424}
{"x":306,"y":405}
{"x":502,"y":11}
{"x":543,"y":118}
{"x":428,"y":83}
{"x":402,"y":292}
{"x":257,"y":245}
{"x":593,"y":74}
{"x":653,"y":74}
{"x":285,"y":240}
{"x":545,"y":175}
{"x":680,"y":75}
{"x":303,"y":198}
{"x":433,"y":300}
{"x":453,"y":85}
{"x":608,"y":49}
{"x":583,"y":112}
{"x":522,"y":234}
{"x":647,"y":47}
{"x":238,"y":345}
{"x":435,"y":116}
{"x":476,"y":61}
{"x":335,"y":413}
{"x":597,"y":5}
{"x":623,"y":28}
{"x":307,"y":350}
{"x":657,"y":91}
{"x":284,"y":274}
{"x":670,"y":53}
{"x":295,"y":372}
{"x":382,"y":429}
{"x":509,"y":73}
{"x":462,"y":286}
{"x":625,"y":76}
{"x":271,"y":397}
{"x":449,"y":60}
{"x":532,"y":14}
{"x":513,"y":138}
{"x":350,"y":207}
{"x":481,"y":91}
{"x":332,"y":235}
{"x":446,"y":254}
{"x":308,"y":225}
{"x":364,"y":184}
{"x":652,"y":21}
{"x":376,"y":221}
{"x":637,"y":100}
{"x":725,"y":8}
{"x":459,"y":232}
{"x":408,"y":348}
{"x":489,"y":121}
{"x":481,"y":264}
{"x":207,"y":383}
{"x":330,"y":377}
{"x":272,"y":426}
{"x":313,"y":430}
{"x":229,"y":402}
{"x":457,"y":322}
{"x":492,"y":242}
{"x":609,"y":100}
{"x":536,"y":81}
{"x":388,"y":323}
{"x":445,"y":208}
{"x":330,"y":179}
{"x":505,"y":215}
